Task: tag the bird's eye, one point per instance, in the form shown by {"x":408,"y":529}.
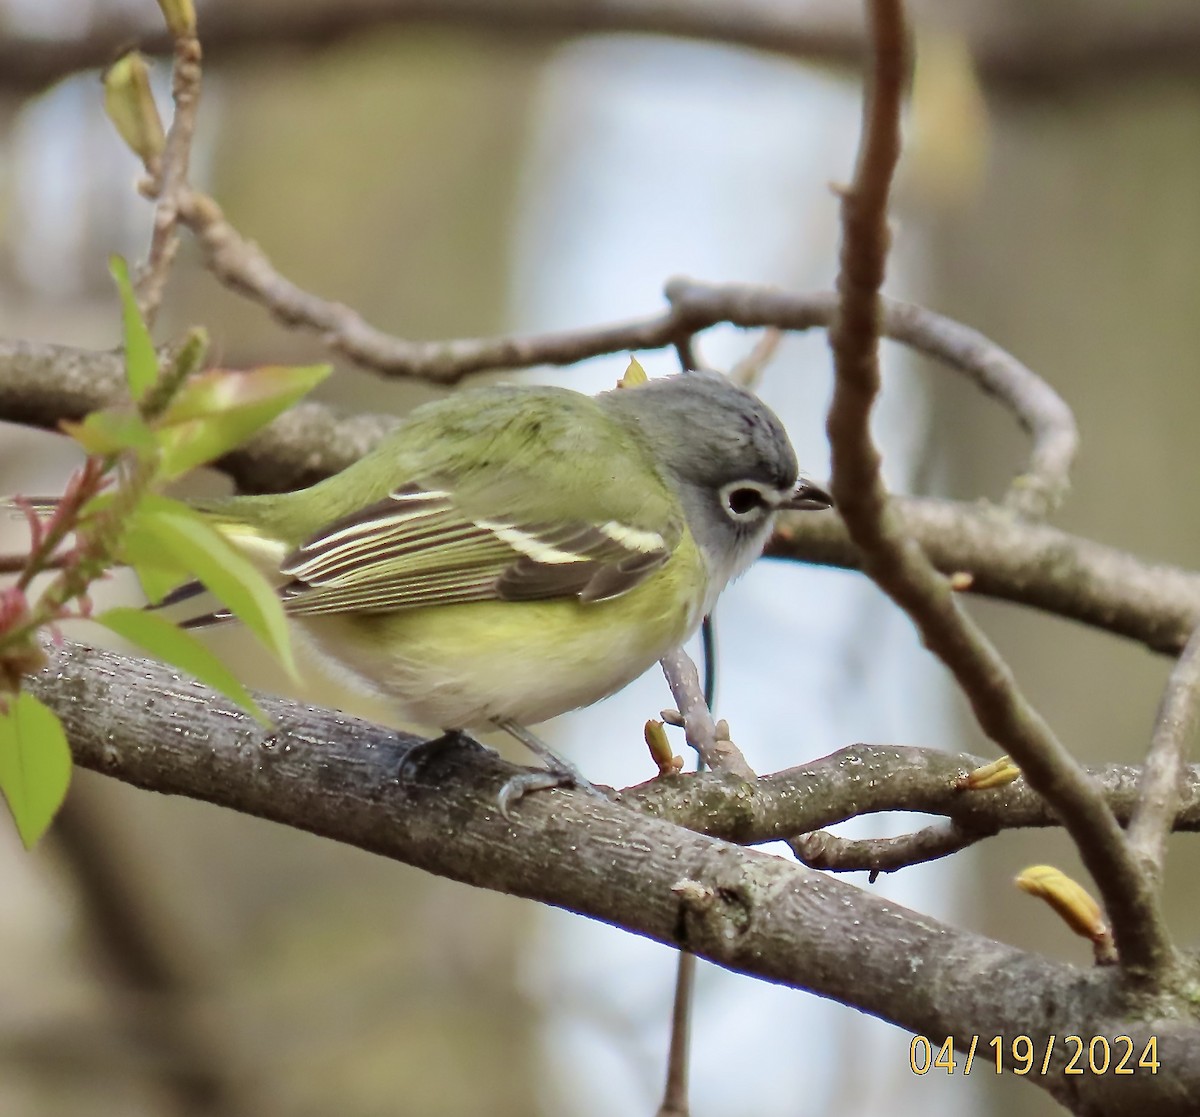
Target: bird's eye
{"x":744,"y":501}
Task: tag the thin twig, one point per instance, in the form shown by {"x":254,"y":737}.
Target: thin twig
{"x":715,"y":749}
{"x":169,"y":184}
{"x":869,"y":779}
{"x":705,"y":735}
{"x":16,"y":564}
{"x":675,"y":1093}
{"x":1165,"y":769}
{"x":687,"y":351}
{"x":895,"y":562}
{"x":748,"y":371}
{"x":243,"y":266}
{"x":833,"y":853}
{"x":1039,"y":409}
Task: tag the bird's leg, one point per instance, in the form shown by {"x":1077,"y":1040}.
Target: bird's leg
{"x":558,"y":773}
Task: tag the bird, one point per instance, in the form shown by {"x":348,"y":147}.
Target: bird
{"x":513,"y":552}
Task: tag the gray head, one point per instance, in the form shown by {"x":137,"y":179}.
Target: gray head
{"x":729,"y":457}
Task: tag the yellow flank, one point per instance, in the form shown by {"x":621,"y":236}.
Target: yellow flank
{"x":459,"y":666}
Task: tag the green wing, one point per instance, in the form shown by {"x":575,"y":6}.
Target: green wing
{"x":387,"y":533}
{"x":417,"y":548}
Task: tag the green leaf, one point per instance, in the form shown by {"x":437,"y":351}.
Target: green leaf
{"x":35,"y":765}
{"x":141,"y":551}
{"x":168,"y":642}
{"x":110,"y":431}
{"x":156,"y":578}
{"x":165,"y":532}
{"x":141,"y":362}
{"x":220,"y":409}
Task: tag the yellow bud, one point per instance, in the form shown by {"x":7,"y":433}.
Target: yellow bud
{"x":180,"y":17}
{"x":961,"y":581}
{"x":634,"y":375}
{"x":130,"y":106}
{"x":660,"y":749}
{"x":997,"y":774}
{"x":1067,"y":897}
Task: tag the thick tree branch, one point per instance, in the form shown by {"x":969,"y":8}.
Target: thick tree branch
{"x":816,"y":30}
{"x":41,"y":384}
{"x":332,"y":775}
{"x":1028,"y":564}
{"x":1043,"y":567}
{"x":1125,"y":43}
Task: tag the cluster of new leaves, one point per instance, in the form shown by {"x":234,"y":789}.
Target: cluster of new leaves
{"x":113,"y":513}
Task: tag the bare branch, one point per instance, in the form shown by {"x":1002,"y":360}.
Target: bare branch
{"x":1039,"y":409}
{"x":716,"y":750}
{"x":1125,"y":43}
{"x":168,"y":183}
{"x":338,"y":777}
{"x":243,"y":266}
{"x":833,"y":853}
{"x":694,"y":306}
{"x":1163,"y":774}
{"x":895,"y":562}
{"x":749,"y":370}
{"x":1029,"y":564}
{"x":869,"y":779}
{"x":675,"y":1091}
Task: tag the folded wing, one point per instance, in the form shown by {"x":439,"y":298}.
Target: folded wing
{"x":417,"y":548}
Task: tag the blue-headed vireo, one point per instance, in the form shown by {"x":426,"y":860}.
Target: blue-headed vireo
{"x":513,"y":552}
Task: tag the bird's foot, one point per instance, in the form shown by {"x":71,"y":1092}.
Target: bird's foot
{"x":557,"y":773}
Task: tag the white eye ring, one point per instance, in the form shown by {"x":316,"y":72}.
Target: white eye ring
{"x":745,"y":501}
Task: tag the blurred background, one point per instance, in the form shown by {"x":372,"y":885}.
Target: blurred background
{"x":501,"y":168}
